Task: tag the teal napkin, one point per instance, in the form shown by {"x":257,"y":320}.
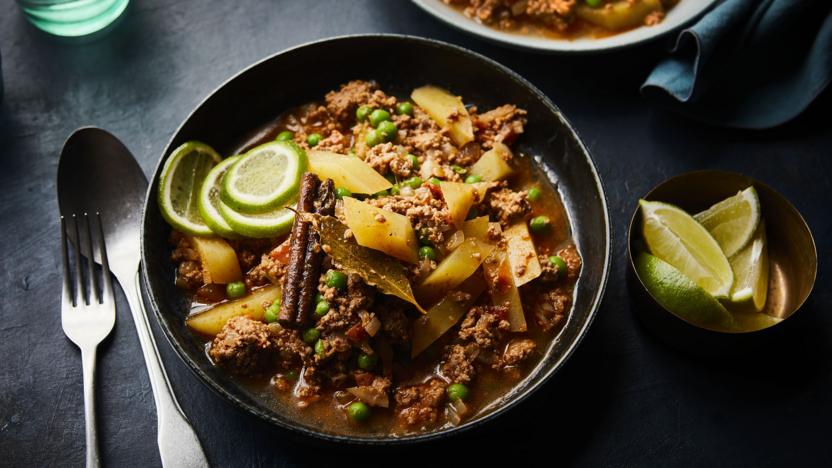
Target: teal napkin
{"x":748,"y":63}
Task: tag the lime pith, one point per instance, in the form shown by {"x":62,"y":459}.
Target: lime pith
{"x":180,"y":183}
{"x":209,"y":199}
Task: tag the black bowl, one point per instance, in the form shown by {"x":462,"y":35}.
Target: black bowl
{"x":259,"y":93}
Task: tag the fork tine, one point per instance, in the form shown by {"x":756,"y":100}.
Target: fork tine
{"x":92,"y":281}
{"x":68,"y":292}
{"x":81,"y":293}
{"x":107,"y":286}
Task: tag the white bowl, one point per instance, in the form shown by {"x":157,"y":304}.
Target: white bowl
{"x":679,"y":15}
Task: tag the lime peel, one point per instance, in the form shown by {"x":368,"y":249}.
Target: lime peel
{"x":180,"y":182}
{"x":264,"y":178}
{"x":209,"y":199}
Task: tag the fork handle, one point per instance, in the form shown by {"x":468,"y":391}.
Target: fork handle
{"x":88,"y":364}
{"x":178,"y":443}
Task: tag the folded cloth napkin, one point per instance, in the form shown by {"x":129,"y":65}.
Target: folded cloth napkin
{"x":748,"y":63}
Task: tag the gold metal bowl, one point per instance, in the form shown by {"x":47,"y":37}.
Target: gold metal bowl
{"x":792,"y":257}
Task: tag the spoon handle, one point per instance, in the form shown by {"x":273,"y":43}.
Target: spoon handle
{"x":178,"y":443}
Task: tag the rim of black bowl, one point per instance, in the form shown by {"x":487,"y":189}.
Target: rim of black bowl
{"x":547,"y":373}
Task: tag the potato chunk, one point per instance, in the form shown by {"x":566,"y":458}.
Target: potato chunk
{"x":460,"y":198}
{"x":447,"y":111}
{"x":453,"y":270}
{"x":444,"y":315}
{"x":212,"y":320}
{"x":219,"y":260}
{"x":381,"y":230}
{"x":623,"y":14}
{"x":497,"y":270}
{"x":492,"y":165}
{"x":348,"y":172}
{"x":521,"y":254}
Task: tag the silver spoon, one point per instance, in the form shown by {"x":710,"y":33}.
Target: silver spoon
{"x":97,"y":173}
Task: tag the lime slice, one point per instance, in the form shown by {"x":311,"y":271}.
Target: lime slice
{"x":678,"y":294}
{"x":733,"y":221}
{"x":259,"y":225}
{"x":751,"y":272}
{"x":264,"y":178}
{"x":180,"y":183}
{"x":209,"y":199}
{"x":675,"y":237}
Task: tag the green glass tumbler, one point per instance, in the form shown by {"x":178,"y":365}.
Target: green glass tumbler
{"x":72,"y":18}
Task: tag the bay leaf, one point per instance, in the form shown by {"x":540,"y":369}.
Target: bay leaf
{"x":376,"y":269}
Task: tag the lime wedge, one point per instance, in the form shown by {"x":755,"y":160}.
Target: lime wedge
{"x":733,"y":221}
{"x":751,"y":272}
{"x":678,"y":294}
{"x":264,"y":178}
{"x":209,"y":199}
{"x":675,"y":237}
{"x":180,"y":183}
{"x":259,"y":225}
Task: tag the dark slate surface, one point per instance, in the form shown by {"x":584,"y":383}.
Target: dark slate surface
{"x":623,"y":400}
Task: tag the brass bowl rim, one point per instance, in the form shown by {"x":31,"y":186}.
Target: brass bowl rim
{"x":754,"y":181}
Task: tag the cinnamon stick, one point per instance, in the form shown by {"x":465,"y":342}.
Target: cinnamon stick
{"x":297,"y":251}
{"x":325,"y":206}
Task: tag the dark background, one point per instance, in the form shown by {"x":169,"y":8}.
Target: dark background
{"x":624,"y":399}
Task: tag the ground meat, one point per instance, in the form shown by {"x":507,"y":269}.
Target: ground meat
{"x":244,"y":347}
{"x":345,"y":305}
{"x":189,"y":275}
{"x":291,"y":349}
{"x":458,"y":362}
{"x":428,"y":214}
{"x":335,"y":142}
{"x":555,"y":13}
{"x":272,"y":267}
{"x":342,"y":104}
{"x":517,"y":351}
{"x":573,"y":262}
{"x":313,"y":119}
{"x":548,"y":305}
{"x":249,"y":251}
{"x":387,"y":157}
{"x":506,"y":205}
{"x":182,"y":249}
{"x":418,"y":405}
{"x":484,"y":325}
{"x":502,"y":124}
{"x":653,"y":18}
{"x":422,"y":136}
{"x":394,"y":321}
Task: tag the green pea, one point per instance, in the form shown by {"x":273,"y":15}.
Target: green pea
{"x":457,"y":391}
{"x":291,"y":375}
{"x":594,"y":3}
{"x":427,"y":252}
{"x":395,"y":189}
{"x":362,"y":113}
{"x":358,"y":411}
{"x":533,"y":194}
{"x":367,"y":361}
{"x":558,"y":263}
{"x":404,"y":108}
{"x":311,"y":335}
{"x":473,"y":179}
{"x":336,"y":279}
{"x":321,"y":308}
{"x":341,"y":192}
{"x":272,"y":312}
{"x":435,"y":180}
{"x":319,"y":298}
{"x":413,"y":182}
{"x":382,"y":193}
{"x":390,"y":177}
{"x":539,"y":224}
{"x":319,"y":347}
{"x":374,"y":137}
{"x":378,"y":116}
{"x":285,"y":135}
{"x":414,"y":161}
{"x":388,"y":130}
{"x":314,"y":138}
{"x":459,"y":169}
{"x":235,"y":289}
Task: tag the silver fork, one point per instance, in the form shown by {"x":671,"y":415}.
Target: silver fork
{"x":88,"y":313}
